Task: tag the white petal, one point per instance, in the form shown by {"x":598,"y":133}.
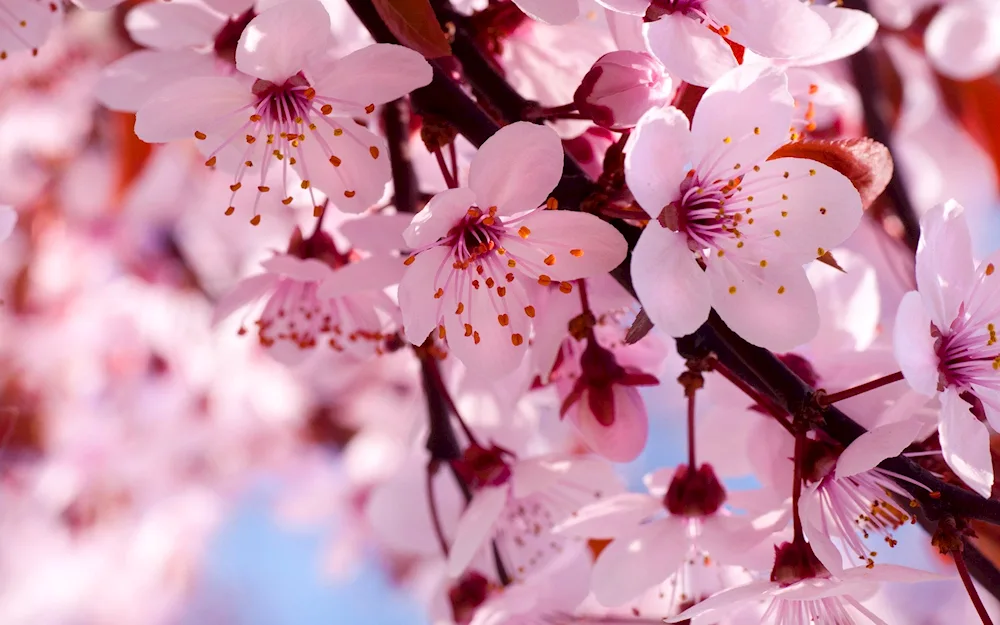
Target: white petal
{"x":582,"y":245}
{"x":475,"y":527}
{"x":517,"y":168}
{"x":913,"y":345}
{"x":550,"y":11}
{"x":375,"y":74}
{"x":773,"y":28}
{"x":773,"y":307}
{"x":945,"y":269}
{"x":690,"y":51}
{"x":742,"y":119}
{"x":811,"y":511}
{"x":874,"y":446}
{"x":965,"y":443}
{"x":610,"y":517}
{"x":380,"y":232}
{"x":172,"y":25}
{"x":421,"y":312}
{"x":8,"y":219}
{"x":440,"y":215}
{"x":727,"y":600}
{"x":628,"y":7}
{"x":851,"y":30}
{"x":358,"y":181}
{"x":962,"y":42}
{"x":368,"y":274}
{"x":656,"y":157}
{"x":127,"y":83}
{"x":639,"y":560}
{"x":245,"y":291}
{"x":673,"y":289}
{"x":197,"y":104}
{"x":278,"y":43}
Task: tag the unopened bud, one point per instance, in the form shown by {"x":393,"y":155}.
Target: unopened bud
{"x":621,"y":87}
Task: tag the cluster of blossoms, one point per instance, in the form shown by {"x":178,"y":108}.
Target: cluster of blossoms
{"x":433,"y":266}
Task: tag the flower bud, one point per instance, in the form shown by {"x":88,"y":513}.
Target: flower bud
{"x":621,"y":87}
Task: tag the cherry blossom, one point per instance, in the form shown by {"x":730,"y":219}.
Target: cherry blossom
{"x":621,"y":87}
{"x":945,"y":341}
{"x":291,"y":107}
{"x":476,"y":249}
{"x":25,"y":25}
{"x":565,"y":11}
{"x":733,"y":227}
{"x":963,"y":39}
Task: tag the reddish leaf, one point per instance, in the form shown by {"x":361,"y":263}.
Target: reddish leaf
{"x":866,"y":163}
{"x":414,"y":23}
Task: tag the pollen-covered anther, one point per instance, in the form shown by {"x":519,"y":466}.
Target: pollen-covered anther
{"x":370,"y":109}
{"x":777,"y":233}
{"x":459,"y":308}
{"x":305,"y":184}
{"x":544,"y":280}
{"x":820,"y":251}
{"x":552,"y":203}
{"x":822,"y":210}
{"x":501,"y":291}
{"x":566,"y":287}
{"x":409,"y":260}
{"x":990,"y":269}
{"x":210,"y":162}
{"x":287,"y":200}
{"x":727,"y":140}
{"x":441,"y":332}
{"x":349,"y":194}
{"x":230,"y":210}
{"x":576,"y":253}
{"x":326,"y":109}
{"x":263,"y":189}
{"x":199,"y":135}
{"x":523,"y":232}
{"x":550,"y":260}
{"x":489,"y":283}
{"x":503,"y":319}
{"x":439,"y":293}
{"x":509,"y":277}
{"x":732,"y":290}
{"x":763,"y":264}
{"x":255,"y":220}
{"x":530,"y":311}
{"x":516,"y":339}
{"x":373,"y":151}
{"x":251,"y":138}
{"x":235,"y":187}
{"x":335,"y":161}
{"x":756,"y":130}
{"x":337,"y":132}
{"x":781,"y":290}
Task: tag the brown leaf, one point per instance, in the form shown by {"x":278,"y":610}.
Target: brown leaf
{"x":828,"y":259}
{"x":865,"y":162}
{"x":640,"y":328}
{"x":414,"y":23}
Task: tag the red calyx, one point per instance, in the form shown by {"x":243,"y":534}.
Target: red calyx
{"x":480,"y":467}
{"x":794,"y":562}
{"x":694,"y":493}
{"x":467,"y":594}
{"x":600,"y":372}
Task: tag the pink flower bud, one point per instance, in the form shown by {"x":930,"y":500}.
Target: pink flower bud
{"x":621,"y":87}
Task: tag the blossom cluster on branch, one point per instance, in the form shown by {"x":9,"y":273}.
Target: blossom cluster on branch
{"x":442,"y":268}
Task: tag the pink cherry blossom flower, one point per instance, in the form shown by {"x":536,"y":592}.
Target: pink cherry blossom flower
{"x":316,"y":294}
{"x":621,"y":87}
{"x":648,"y":545}
{"x":963,"y":39}
{"x":802,"y":591}
{"x":516,"y":503}
{"x":946,"y":341}
{"x":476,"y":248}
{"x":689,"y":36}
{"x":565,"y":11}
{"x":291,"y":108}
{"x":853,"y":501}
{"x":25,"y":25}
{"x":731,"y":228}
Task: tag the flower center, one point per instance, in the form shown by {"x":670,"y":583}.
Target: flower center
{"x":694,"y":493}
{"x":969,"y":354}
{"x":476,"y":236}
{"x":700,"y":213}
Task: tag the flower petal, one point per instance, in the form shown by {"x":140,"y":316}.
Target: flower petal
{"x":421,"y":312}
{"x":550,"y":11}
{"x":475,"y":527}
{"x":965,"y":443}
{"x":567,"y":245}
{"x":278,"y":43}
{"x":773,"y":28}
{"x":629,"y":7}
{"x":773,"y":307}
{"x":742,"y":119}
{"x":8,"y":219}
{"x":172,"y":25}
{"x":357,"y":180}
{"x":623,"y":440}
{"x":380,"y":232}
{"x":610,"y":517}
{"x":517,"y":168}
{"x":962,"y":42}
{"x":127,"y":83}
{"x":368,"y":274}
{"x":441,"y":214}
{"x":639,"y":560}
{"x":656,"y":157}
{"x":673,"y":289}
{"x":851,"y":31}
{"x":913,"y":345}
{"x":728,"y":599}
{"x":196,"y":104}
{"x":690,"y":51}
{"x":375,"y":74}
{"x":245,"y":291}
{"x":874,"y":446}
{"x":945,"y":268}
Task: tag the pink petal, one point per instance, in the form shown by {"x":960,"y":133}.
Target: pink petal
{"x":655,"y":158}
{"x":370,"y":274}
{"x":416,"y":295}
{"x":377,"y":233}
{"x":301,"y":269}
{"x":550,"y":11}
{"x":811,"y":511}
{"x":657,"y":482}
{"x":963,"y":40}
{"x":742,"y":119}
{"x":535,"y":475}
{"x":583,"y":245}
{"x":278,"y":43}
{"x":475,"y":527}
{"x":874,"y":446}
{"x":126,"y":84}
{"x":358,"y":181}
{"x":196,"y":104}
{"x":690,"y":51}
{"x":172,"y":25}
{"x":375,"y":74}
{"x":230,"y":7}
{"x":517,"y":168}
{"x":623,"y":440}
{"x":8,"y":219}
{"x":913,"y":345}
{"x":672,"y":287}
{"x":773,"y":28}
{"x":945,"y":269}
{"x":245,"y":291}
{"x":38,"y":23}
{"x":439,"y":216}
{"x":626,"y":30}
{"x":629,"y":7}
{"x":890,"y":573}
{"x":813,"y":207}
{"x":639,"y":560}
{"x":965,"y":443}
{"x":611,"y":517}
{"x":773,"y":307}
{"x":851,"y":31}
{"x":726,"y":600}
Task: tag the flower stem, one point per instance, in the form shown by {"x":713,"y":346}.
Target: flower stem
{"x":432,"y":467}
{"x":963,"y":572}
{"x":800,"y":452}
{"x":448,"y":178}
{"x":826,"y":400}
{"x":691,"y":451}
